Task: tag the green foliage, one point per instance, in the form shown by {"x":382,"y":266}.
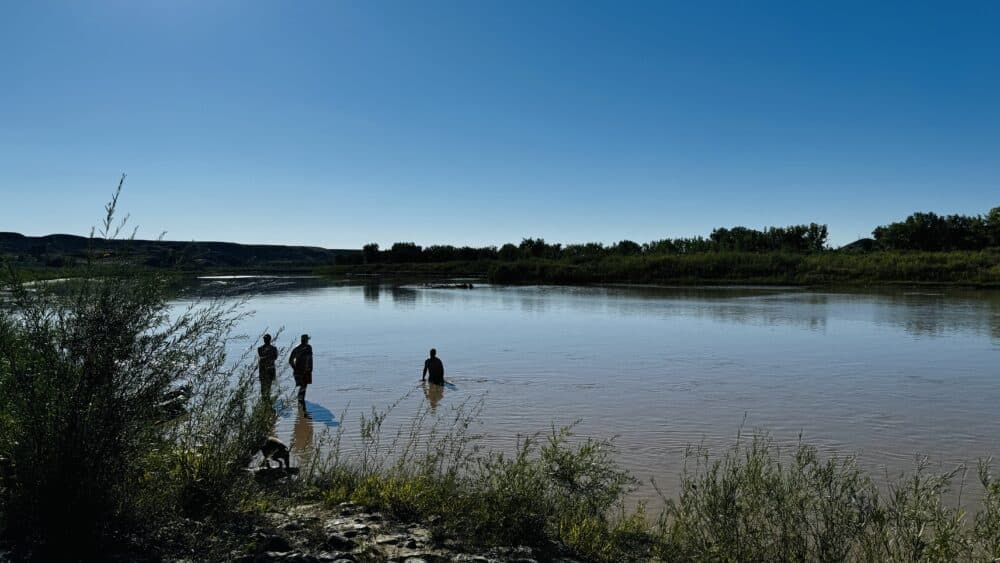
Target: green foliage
{"x":118,"y":413}
{"x":795,"y":238}
{"x":980,"y":267}
{"x":370,"y":253}
{"x":932,"y":232}
{"x":754,"y":504}
{"x":551,"y":486}
{"x":751,"y":502}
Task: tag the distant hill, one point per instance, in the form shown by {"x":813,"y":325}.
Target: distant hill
{"x":860,"y":245}
{"x":65,"y":250}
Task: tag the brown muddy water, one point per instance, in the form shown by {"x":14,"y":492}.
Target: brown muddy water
{"x":887,"y":374}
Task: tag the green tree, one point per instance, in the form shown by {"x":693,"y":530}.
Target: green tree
{"x":370,"y":252}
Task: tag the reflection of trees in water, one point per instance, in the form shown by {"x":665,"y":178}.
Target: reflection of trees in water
{"x":251,"y":285}
{"x":531,"y":304}
{"x":749,"y":307}
{"x":371,"y":291}
{"x":810,"y":314}
{"x":404,"y":297}
{"x":938,"y":315}
{"x":995,"y":317}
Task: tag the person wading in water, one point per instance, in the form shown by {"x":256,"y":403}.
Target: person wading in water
{"x":267,"y":355}
{"x":434,"y":368}
{"x":301,"y":360}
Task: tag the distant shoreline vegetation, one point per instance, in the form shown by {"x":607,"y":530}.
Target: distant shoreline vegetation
{"x":924,"y":248}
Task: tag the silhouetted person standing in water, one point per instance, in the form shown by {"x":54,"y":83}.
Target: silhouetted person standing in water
{"x":301,"y":361}
{"x":434,"y":368}
{"x":266,"y":356}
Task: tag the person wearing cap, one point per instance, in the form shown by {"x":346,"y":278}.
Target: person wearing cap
{"x":267,"y":355}
{"x":301,"y":360}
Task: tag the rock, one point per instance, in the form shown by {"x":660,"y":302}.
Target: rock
{"x":348,"y":507}
{"x":276,"y":544}
{"x":336,"y":557}
{"x":390,"y":539}
{"x":340,"y":542}
{"x":410,"y":543}
{"x":290,"y":557}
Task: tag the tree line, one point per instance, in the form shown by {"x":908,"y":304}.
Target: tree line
{"x":933,"y":232}
{"x":919,"y":231}
{"x":795,"y":238}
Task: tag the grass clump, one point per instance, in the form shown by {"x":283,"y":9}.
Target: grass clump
{"x":551,"y":487}
{"x":120,"y":415}
{"x":752,"y":502}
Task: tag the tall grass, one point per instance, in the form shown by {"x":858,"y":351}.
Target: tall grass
{"x":118,"y":413}
{"x":751,"y":502}
{"x":979,"y":267}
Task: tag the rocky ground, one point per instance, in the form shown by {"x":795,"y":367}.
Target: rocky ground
{"x":349,"y":534}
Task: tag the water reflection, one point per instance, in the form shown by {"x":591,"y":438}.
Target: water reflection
{"x":404,"y":297}
{"x":302,"y":435}
{"x":925,"y":313}
{"x":434,"y":394}
{"x":890,"y":372}
{"x":371,"y":291}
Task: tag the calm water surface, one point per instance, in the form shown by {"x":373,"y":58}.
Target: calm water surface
{"x":887,"y":374}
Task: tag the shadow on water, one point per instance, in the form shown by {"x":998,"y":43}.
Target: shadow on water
{"x":313,"y":412}
{"x":321,"y":415}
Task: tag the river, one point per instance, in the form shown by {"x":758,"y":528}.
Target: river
{"x":886,"y":374}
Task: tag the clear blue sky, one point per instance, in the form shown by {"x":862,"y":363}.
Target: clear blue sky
{"x":337,"y":123}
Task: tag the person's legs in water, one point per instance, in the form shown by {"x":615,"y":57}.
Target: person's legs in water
{"x":300,"y":382}
{"x":266,"y":380}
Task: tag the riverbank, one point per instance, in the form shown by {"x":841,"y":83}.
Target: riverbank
{"x":561,"y":504}
{"x":972,"y":268}
{"x":958,"y":268}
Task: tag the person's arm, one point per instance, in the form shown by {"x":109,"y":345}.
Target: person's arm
{"x":291,"y":357}
{"x":423,"y":376}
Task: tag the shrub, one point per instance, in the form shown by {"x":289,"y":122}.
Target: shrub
{"x":118,"y":412}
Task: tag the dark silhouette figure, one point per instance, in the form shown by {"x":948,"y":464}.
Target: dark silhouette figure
{"x":301,"y":360}
{"x":267,"y":355}
{"x":434,"y":394}
{"x":433,"y":368}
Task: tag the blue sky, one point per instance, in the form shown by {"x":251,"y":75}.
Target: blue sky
{"x":337,"y":123}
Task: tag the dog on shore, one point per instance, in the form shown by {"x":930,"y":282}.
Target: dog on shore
{"x":275,"y":449}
